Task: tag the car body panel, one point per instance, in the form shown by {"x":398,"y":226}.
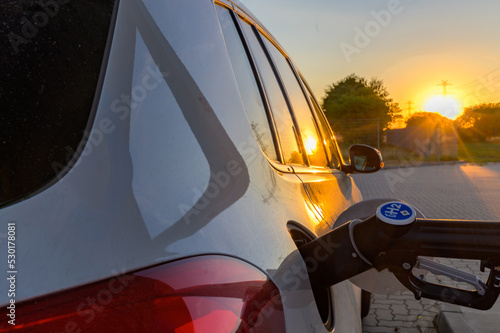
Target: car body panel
{"x":330,"y":193}
{"x":125,"y":205}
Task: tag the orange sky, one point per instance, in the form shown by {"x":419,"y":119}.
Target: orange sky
{"x":411,"y":45}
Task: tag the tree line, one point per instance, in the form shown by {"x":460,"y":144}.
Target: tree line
{"x":366,"y":107}
{"x":479,"y":122}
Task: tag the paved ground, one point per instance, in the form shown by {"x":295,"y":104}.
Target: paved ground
{"x":446,"y":191}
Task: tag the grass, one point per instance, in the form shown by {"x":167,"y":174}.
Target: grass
{"x":479,"y":152}
{"x":397,"y":156}
{"x":392,"y":156}
{"x":474,"y":152}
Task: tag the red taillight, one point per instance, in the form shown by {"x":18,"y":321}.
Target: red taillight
{"x":200,"y":294}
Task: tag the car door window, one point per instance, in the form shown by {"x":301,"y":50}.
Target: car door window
{"x":313,"y":144}
{"x":329,"y":140}
{"x":287,"y":134}
{"x":249,"y":91}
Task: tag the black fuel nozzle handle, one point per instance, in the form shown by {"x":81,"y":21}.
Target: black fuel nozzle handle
{"x":477,"y":240}
{"x":355,"y":246}
{"x":482,"y":298}
{"x":395,"y":239}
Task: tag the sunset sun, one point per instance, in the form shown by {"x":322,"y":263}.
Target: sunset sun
{"x":445,"y":106}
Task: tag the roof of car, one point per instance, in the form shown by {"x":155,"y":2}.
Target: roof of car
{"x":244,"y":11}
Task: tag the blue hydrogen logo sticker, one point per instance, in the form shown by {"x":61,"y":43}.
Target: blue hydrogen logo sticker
{"x":396,"y":213}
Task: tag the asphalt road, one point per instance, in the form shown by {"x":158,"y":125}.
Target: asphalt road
{"x":458,"y":191}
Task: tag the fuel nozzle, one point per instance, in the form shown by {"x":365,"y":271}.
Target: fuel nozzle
{"x":355,"y":246}
{"x":394,"y":239}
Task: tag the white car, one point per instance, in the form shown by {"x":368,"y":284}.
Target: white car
{"x":162,"y":163}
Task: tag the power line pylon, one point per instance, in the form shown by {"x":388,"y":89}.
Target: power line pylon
{"x":409,"y":108}
{"x":444,"y":84}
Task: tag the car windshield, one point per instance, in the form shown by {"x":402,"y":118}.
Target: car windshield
{"x":51,"y":54}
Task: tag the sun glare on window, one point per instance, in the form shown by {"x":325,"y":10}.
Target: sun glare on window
{"x":310,"y":144}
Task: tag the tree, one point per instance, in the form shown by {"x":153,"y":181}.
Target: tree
{"x":428,"y":120}
{"x":430,"y":124}
{"x":479,"y":122}
{"x":356,"y":108}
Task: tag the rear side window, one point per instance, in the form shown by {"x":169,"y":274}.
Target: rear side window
{"x":325,"y":130}
{"x":247,"y":85}
{"x":311,"y":139}
{"x":285,"y":126}
{"x":51,"y":54}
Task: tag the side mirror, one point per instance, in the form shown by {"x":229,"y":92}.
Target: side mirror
{"x":365,"y":159}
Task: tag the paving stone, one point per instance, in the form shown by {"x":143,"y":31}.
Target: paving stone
{"x":409,"y":330}
{"x":426,"y":318}
{"x":409,"y":324}
{"x":413,"y":305}
{"x":390,"y":302}
{"x":391,"y":323}
{"x":377,"y":330}
{"x":423,"y":312}
{"x":370,"y":321}
{"x":428,"y":330}
{"x":404,"y":317}
{"x":426,"y":324}
{"x":402,"y":297}
{"x":428,"y":302}
{"x":399,"y":309}
{"x":383,"y":315}
{"x":378,"y":297}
